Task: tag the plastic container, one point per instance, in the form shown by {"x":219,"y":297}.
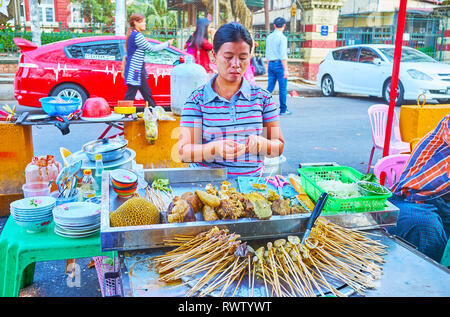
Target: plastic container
{"x":184,"y":79}
{"x":310,"y":176}
{"x":36,"y":189}
{"x":65,"y":200}
{"x":273,"y":165}
{"x":88,"y":185}
{"x":98,"y":173}
{"x":43,"y":169}
{"x":52,"y":107}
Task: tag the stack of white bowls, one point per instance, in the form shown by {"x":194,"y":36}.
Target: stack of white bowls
{"x":33,"y":214}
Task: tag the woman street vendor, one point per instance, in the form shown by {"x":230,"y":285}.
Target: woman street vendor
{"x":229,"y":122}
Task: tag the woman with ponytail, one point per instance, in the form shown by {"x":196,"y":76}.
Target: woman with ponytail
{"x":135,"y":46}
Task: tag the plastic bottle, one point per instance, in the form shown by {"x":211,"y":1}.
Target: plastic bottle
{"x":88,"y":185}
{"x":98,"y":173}
{"x":184,"y":79}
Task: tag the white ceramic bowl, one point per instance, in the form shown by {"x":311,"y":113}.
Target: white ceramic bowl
{"x":34,"y":226}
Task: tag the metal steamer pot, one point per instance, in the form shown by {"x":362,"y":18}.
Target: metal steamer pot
{"x":110,"y":149}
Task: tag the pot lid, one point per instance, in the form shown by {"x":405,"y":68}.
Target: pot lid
{"x":104,"y":145}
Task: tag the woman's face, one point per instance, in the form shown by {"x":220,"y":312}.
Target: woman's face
{"x":232,"y":60}
{"x":140,"y":26}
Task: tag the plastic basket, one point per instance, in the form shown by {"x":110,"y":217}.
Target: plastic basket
{"x":109,"y":285}
{"x":310,"y":176}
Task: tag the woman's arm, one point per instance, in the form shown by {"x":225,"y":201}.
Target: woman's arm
{"x":142,"y":43}
{"x":206,"y":45}
{"x":270,"y":143}
{"x":191,"y":149}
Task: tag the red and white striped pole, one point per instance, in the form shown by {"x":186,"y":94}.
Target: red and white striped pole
{"x":394,"y":78}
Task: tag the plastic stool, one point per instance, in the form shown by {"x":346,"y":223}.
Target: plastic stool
{"x":20,"y":250}
{"x":445,"y":261}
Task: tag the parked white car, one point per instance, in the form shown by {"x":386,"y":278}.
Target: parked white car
{"x":367,"y":70}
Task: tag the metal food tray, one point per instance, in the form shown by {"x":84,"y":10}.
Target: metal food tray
{"x":190,"y":179}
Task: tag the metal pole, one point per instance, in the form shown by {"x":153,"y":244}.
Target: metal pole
{"x":394,"y":78}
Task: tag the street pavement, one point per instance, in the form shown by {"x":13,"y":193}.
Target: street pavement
{"x":320,"y":129}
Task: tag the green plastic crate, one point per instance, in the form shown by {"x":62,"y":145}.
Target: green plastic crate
{"x":310,"y":176}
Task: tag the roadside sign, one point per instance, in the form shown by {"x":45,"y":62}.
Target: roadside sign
{"x":324,"y":30}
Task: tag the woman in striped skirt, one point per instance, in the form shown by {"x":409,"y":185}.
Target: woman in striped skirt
{"x":135,"y":46}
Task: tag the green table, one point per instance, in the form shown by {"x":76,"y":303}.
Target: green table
{"x":20,"y":250}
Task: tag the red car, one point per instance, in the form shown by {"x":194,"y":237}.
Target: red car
{"x":87,"y":67}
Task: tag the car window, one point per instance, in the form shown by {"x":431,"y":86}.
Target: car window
{"x":107,"y":51}
{"x":367,"y":55}
{"x":408,"y":55}
{"x":336,"y":55}
{"x":165,"y":57}
{"x":349,"y":55}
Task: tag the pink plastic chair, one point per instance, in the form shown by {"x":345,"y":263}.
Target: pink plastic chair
{"x":378,"y":118}
{"x":392,"y":166}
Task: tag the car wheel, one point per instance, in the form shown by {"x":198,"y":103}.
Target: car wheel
{"x":327,"y":86}
{"x":400,"y":93}
{"x":71,"y":91}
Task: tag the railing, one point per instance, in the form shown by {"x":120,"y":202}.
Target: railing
{"x":295,"y":43}
{"x":59,"y":33}
{"x":425,"y":34}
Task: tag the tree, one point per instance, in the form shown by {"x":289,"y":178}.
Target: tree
{"x":6,"y":11}
{"x":232,"y":10}
{"x":155,"y":11}
{"x":266,"y":15}
{"x":97,"y":11}
{"x":34,"y":20}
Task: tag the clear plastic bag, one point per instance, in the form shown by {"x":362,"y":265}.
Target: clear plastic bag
{"x":161,"y":114}
{"x":151,"y":126}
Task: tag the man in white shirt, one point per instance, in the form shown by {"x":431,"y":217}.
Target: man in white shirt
{"x":276,"y":54}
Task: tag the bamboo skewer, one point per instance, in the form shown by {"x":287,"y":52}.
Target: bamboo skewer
{"x":213,"y":261}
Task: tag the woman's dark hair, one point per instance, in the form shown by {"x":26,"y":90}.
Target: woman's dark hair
{"x":201,"y":32}
{"x":231,"y":32}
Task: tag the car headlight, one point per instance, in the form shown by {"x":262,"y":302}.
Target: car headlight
{"x":416,"y":74}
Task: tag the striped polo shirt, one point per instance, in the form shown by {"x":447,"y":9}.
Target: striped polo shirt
{"x":235,"y":119}
{"x":426,"y":175}
{"x":136,"y":47}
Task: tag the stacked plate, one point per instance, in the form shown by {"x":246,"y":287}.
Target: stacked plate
{"x":77,"y":219}
{"x":33,"y":214}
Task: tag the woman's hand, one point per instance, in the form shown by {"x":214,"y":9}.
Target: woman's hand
{"x":228,"y":149}
{"x":254,"y":143}
{"x":170,"y":42}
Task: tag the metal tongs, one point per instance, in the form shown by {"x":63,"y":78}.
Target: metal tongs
{"x":314,"y":215}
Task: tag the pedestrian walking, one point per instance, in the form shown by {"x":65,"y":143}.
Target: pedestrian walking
{"x":276,"y":54}
{"x":135,"y":46}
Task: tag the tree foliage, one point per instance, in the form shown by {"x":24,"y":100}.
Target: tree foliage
{"x":232,"y":10}
{"x":97,"y":11}
{"x":155,"y":11}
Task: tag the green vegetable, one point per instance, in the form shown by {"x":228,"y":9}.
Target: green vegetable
{"x":373,"y":188}
{"x":162,"y":184}
{"x":370,"y":178}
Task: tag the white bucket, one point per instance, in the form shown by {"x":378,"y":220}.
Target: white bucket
{"x":273,"y":165}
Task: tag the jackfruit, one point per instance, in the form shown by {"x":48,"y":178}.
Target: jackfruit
{"x":136,"y":211}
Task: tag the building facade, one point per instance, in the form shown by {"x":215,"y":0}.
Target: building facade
{"x":53,"y":12}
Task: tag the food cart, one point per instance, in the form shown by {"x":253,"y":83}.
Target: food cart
{"x":136,"y":272}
